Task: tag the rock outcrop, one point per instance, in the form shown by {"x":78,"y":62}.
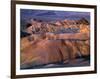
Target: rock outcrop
{"x":45,"y":45}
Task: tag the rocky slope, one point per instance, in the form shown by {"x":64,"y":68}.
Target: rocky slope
{"x":54,"y":42}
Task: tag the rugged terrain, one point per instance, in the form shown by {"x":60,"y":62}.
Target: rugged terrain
{"x":62,"y":43}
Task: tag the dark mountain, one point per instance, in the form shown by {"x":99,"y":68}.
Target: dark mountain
{"x":24,"y":34}
{"x":49,"y":13}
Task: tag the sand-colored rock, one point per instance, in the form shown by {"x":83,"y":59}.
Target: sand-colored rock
{"x":44,"y":46}
{"x":49,"y":51}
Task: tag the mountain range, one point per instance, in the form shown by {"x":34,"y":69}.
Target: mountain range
{"x":51,"y":15}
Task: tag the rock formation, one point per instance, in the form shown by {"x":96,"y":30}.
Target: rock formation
{"x":46,"y":44}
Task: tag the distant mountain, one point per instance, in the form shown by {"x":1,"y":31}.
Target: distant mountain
{"x":49,"y":13}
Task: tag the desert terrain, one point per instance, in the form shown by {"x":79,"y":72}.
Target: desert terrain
{"x":64,"y":43}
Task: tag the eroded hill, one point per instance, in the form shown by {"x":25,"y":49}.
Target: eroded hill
{"x":54,"y":42}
